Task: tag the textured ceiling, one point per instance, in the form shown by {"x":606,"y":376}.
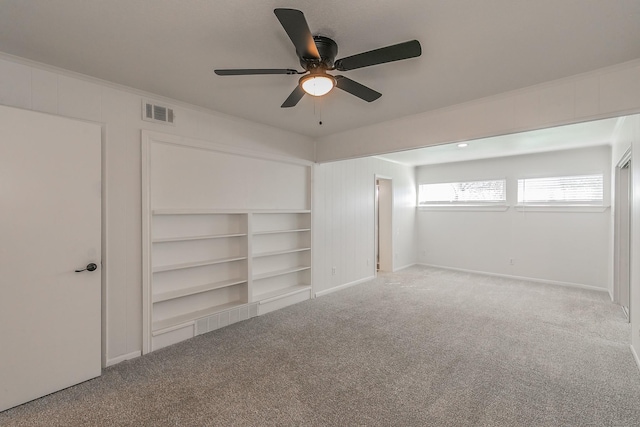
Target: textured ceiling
{"x":471,"y":49}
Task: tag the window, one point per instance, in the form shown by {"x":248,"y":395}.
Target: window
{"x":563,"y":190}
{"x":463,"y":193}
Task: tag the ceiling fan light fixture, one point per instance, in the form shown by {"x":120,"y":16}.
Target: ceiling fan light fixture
{"x":317,"y":85}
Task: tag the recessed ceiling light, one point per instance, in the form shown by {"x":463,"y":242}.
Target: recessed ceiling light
{"x":462,"y":145}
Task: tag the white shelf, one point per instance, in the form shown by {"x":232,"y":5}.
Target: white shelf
{"x":281,"y":292}
{"x":288,"y":251}
{"x":162,"y":268}
{"x":196,"y":212}
{"x":194,"y":315}
{"x":278,"y":211}
{"x":225,"y":211}
{"x":299,"y":230}
{"x":178,"y":293}
{"x":281,"y":272}
{"x":229,"y":241}
{"x":189,"y":238}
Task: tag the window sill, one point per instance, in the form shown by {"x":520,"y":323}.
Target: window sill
{"x":465,"y":207}
{"x":560,"y":208}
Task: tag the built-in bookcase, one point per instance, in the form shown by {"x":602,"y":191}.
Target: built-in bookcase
{"x":226,"y":236}
{"x":199,"y":265}
{"x":204,"y":264}
{"x":281,"y":253}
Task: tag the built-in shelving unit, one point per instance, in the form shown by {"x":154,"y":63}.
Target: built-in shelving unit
{"x":226,"y":235}
{"x":281,"y":254}
{"x":198,"y":266}
{"x":210,"y":268}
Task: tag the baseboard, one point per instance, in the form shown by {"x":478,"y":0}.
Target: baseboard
{"x":122,"y":358}
{"x":341,"y":287}
{"x":635,"y":356}
{"x":529,"y":279}
{"x":404,"y":267}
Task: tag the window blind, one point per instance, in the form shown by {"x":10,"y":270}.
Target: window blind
{"x":489,"y":191}
{"x":579,"y":189}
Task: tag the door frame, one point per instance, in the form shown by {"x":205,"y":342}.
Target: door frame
{"x":389,"y":264}
{"x":623,"y":208}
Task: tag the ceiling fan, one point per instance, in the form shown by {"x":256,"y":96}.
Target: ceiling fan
{"x":317,"y":56}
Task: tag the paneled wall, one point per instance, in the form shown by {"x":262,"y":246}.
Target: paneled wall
{"x":570,"y":247}
{"x":343,"y":219}
{"x":38,"y":87}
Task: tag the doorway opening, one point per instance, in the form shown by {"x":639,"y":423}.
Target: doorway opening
{"x":622,"y":234}
{"x":383,"y":221}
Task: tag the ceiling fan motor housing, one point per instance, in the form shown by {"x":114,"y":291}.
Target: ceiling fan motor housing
{"x":327,"y":48}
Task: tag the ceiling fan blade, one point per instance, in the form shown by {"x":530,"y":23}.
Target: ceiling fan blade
{"x":293,"y":99}
{"x":254,"y":71}
{"x":298,"y":31}
{"x":396,"y":52}
{"x":355,"y":88}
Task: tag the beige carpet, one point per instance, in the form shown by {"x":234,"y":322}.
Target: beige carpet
{"x":422,"y":347}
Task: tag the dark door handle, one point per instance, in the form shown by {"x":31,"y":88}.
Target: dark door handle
{"x":90,"y":267}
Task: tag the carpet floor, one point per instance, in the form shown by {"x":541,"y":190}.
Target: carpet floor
{"x":421,"y":347}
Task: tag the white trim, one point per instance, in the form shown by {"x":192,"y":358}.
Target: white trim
{"x":123,"y":357}
{"x":560,"y":208}
{"x":528,"y":279}
{"x":345,"y":286}
{"x":104,"y":248}
{"x":159,"y":137}
{"x":179,"y":326}
{"x":635,"y":356}
{"x":464,"y":207}
{"x":284,"y":295}
{"x":391,"y":161}
{"x":147,"y":344}
{"x":170,"y":211}
{"x":625,"y":158}
{"x":404,"y":267}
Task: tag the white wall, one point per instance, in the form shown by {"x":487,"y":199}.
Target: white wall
{"x":564,"y":247}
{"x":343,"y":220}
{"x":609,"y":92}
{"x":628,"y":136}
{"x":27,"y":85}
{"x":343,"y":191}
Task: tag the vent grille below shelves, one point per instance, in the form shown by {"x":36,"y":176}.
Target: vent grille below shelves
{"x":226,"y":318}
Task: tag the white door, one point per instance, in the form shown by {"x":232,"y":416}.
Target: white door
{"x":50,"y":225}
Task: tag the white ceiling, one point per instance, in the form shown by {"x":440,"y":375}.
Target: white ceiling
{"x":471,"y":49}
{"x":567,"y":137}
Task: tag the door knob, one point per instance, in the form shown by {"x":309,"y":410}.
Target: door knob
{"x":89,"y":267}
